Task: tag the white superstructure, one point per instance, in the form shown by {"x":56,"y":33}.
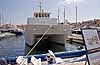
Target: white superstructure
{"x":42,"y":18}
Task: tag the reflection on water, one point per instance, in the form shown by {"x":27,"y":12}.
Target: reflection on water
{"x":43,"y":47}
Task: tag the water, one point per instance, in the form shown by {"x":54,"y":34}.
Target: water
{"x":43,"y":47}
{"x":73,"y":47}
{"x":12,"y":46}
{"x":15,"y":45}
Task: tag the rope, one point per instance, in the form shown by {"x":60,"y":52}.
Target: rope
{"x":36,"y":43}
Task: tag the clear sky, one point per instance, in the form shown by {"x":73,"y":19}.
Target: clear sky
{"x":17,"y":11}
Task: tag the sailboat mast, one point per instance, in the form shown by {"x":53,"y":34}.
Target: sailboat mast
{"x":76,"y":13}
{"x":58,"y":15}
{"x":64,"y":14}
{"x":0,"y":19}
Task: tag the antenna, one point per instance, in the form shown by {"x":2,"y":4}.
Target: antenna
{"x":40,"y":5}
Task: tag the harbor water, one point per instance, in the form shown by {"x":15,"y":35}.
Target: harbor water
{"x":44,"y":46}
{"x":15,"y":46}
{"x":12,"y":46}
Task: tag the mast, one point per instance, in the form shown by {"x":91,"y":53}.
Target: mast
{"x":64,"y":14}
{"x":10,"y":21}
{"x":76,"y":13}
{"x":0,"y":19}
{"x":58,"y":15}
{"x":40,"y":5}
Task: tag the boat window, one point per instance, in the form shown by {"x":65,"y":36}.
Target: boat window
{"x":36,"y":15}
{"x":45,"y":15}
{"x":39,"y":15}
{"x":48,"y":15}
{"x":76,"y":32}
{"x":42,"y":15}
{"x":43,"y":21}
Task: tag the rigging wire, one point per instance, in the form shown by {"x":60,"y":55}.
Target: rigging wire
{"x":50,"y":26}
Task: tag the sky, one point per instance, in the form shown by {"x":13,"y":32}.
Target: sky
{"x":17,"y":11}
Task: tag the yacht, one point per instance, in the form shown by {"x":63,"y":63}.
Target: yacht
{"x":76,"y":36}
{"x":53,"y":33}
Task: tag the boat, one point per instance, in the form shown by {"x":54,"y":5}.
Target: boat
{"x":76,"y":36}
{"x":52,"y":33}
{"x":74,"y":56}
{"x":12,"y":42}
{"x":13,"y":31}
